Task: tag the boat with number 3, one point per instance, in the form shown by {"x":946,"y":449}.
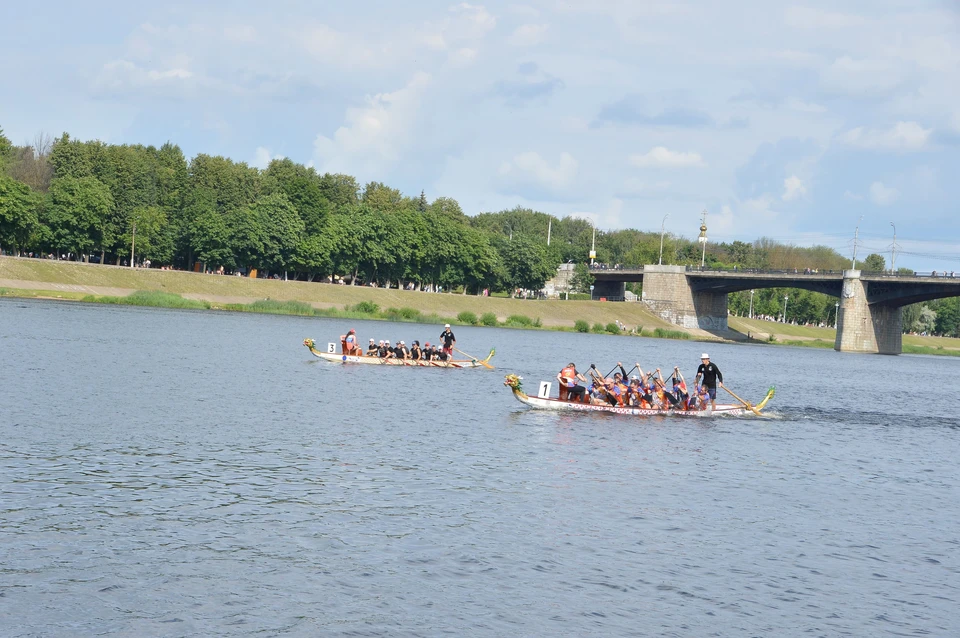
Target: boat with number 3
{"x":543,"y":402}
{"x":332,"y":355}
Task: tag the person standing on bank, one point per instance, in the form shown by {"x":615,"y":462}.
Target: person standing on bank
{"x":448,"y":340}
{"x":711,"y":376}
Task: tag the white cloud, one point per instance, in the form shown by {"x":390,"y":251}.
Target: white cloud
{"x":853,"y":197}
{"x":373,"y":135}
{"x":528,"y":35}
{"x":793,"y":188}
{"x":662,"y":157}
{"x":862,"y":78}
{"x":882,"y":195}
{"x":811,"y":18}
{"x":477,"y":21}
{"x":903,"y":136}
{"x":262,"y":157}
{"x":795,"y":104}
{"x":532,"y":169}
{"x":462,"y":56}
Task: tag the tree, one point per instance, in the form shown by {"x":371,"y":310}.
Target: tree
{"x":450,"y":207}
{"x":31,"y":164}
{"x":422,"y":203}
{"x":526,"y":262}
{"x":78,"y":213}
{"x":6,"y":150}
{"x":874,"y":263}
{"x":340,"y":190}
{"x":302,"y":188}
{"x":18,"y":213}
{"x":582,"y":278}
{"x":150,"y":241}
{"x":379,"y":196}
{"x":948,"y":317}
{"x":282,"y":230}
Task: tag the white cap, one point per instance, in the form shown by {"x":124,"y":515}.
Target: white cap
{"x":704,"y":356}
{"x":371,"y":339}
{"x":446,"y":325}
{"x":403,"y":343}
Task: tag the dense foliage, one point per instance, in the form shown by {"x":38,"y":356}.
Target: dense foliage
{"x":100,"y":202}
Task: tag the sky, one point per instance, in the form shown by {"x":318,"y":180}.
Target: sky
{"x":802,"y":122}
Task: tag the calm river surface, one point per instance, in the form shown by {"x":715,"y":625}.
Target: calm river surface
{"x":169,"y":473}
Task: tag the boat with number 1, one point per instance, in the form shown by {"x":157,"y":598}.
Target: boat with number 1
{"x":332,"y":355}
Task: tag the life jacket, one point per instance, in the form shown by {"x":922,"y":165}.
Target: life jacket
{"x":569,"y":374}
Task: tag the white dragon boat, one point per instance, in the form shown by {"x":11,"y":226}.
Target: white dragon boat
{"x":544,"y":402}
{"x":332,"y":355}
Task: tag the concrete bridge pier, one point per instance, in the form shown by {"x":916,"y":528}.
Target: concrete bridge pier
{"x":669,"y":295}
{"x":862,"y":327}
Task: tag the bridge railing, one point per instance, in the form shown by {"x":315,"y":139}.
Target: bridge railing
{"x":786,"y":271}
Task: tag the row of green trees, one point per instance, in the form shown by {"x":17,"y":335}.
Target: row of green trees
{"x":99,"y":201}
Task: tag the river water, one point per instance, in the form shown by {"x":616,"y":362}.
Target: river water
{"x":171,"y":473}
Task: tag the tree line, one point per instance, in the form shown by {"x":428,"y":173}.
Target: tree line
{"x":96,"y":202}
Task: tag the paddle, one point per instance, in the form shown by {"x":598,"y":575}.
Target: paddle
{"x":470,"y":356}
{"x":746,"y":404}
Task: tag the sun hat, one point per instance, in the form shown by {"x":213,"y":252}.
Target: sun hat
{"x":371,"y":339}
{"x":446,"y":325}
{"x":350,"y":330}
{"x":704,"y":356}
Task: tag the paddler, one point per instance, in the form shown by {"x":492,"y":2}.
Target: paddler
{"x":569,"y":389}
{"x":348,"y":343}
{"x":372,"y":349}
{"x":711,"y":376}
{"x":680,"y":389}
{"x":448,"y":341}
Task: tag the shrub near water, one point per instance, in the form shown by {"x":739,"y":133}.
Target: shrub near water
{"x":599,"y":327}
{"x":613,"y":328}
{"x":663,"y":333}
{"x":467,"y":317}
{"x":581,"y":326}
{"x":274,"y":307}
{"x":519,"y":321}
{"x":155,"y":299}
{"x":366,"y":307}
{"x":403,"y":314}
{"x":488,"y":319}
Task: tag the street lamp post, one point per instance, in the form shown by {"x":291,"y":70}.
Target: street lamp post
{"x":133,"y":243}
{"x":836,"y":314}
{"x":703,"y":238}
{"x":662,"y":225}
{"x":856,"y":235}
{"x":593,"y":246}
{"x":893,"y":250}
{"x":784,"y":309}
{"x":751,"y":303}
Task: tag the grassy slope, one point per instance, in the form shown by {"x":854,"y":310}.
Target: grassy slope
{"x":787,"y":331}
{"x":39,"y":273}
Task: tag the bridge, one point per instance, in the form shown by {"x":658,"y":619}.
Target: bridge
{"x":869,"y":318}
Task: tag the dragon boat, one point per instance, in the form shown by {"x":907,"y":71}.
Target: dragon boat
{"x":544,"y":402}
{"x":332,"y":355}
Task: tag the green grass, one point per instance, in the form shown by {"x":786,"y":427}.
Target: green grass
{"x":152,"y":299}
{"x":51,"y":275}
{"x":661,"y":333}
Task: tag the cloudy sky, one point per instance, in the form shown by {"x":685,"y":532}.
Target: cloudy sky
{"x":783,"y":120}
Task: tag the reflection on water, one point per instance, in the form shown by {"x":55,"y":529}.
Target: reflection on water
{"x":178,"y":473}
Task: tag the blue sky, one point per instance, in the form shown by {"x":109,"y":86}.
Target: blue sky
{"x":789,"y":121}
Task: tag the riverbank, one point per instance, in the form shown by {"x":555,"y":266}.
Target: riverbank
{"x":93,"y":283}
{"x":71,"y":281}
